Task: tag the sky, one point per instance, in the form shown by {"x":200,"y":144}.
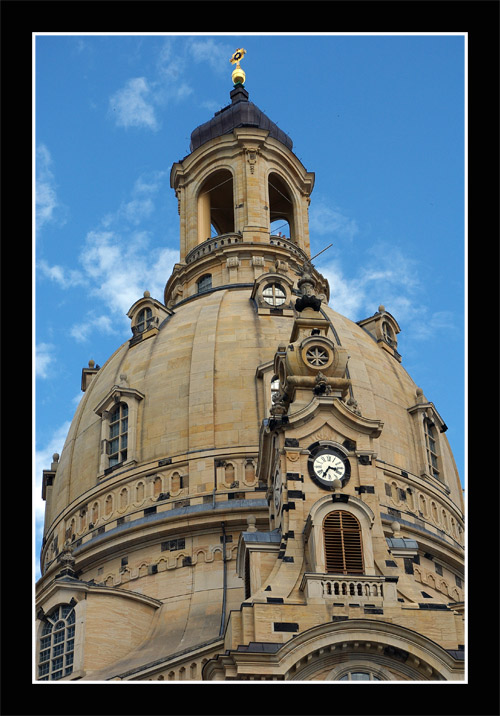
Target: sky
{"x":379,"y":119}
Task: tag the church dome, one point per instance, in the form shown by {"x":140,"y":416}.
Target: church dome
{"x":251,"y":469}
{"x":194,"y":385}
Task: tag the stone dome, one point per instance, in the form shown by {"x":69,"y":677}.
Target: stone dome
{"x":234,"y":472}
{"x":240,"y":113}
{"x":197,"y":381}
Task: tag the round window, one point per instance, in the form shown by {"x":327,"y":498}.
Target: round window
{"x":274,"y":295}
{"x":317,"y":356}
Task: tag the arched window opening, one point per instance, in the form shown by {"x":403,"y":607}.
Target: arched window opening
{"x":118,"y":434}
{"x":57,"y":644}
{"x":280,"y":228}
{"x":359,"y":676}
{"x":343,"y":545}
{"x":216,"y":206}
{"x":280,"y":207}
{"x":431,"y":445}
{"x":388,"y":334}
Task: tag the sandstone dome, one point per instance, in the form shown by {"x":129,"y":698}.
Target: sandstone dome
{"x":197,"y":382}
{"x":251,"y":469}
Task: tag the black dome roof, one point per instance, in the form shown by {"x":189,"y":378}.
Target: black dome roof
{"x":240,"y":113}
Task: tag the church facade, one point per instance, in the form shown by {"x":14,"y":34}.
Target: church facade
{"x":252,"y":487}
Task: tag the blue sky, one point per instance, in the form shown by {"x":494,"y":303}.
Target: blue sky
{"x":380,"y":121}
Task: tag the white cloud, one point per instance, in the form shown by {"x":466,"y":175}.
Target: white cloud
{"x":132,"y":106}
{"x":135,"y":104}
{"x":65,"y":278}
{"x":118,"y":259}
{"x":207,"y":50}
{"x":47,"y":205}
{"x":81,"y":331}
{"x":44,"y":358}
{"x":389,"y":278}
{"x":426,"y":327}
{"x":327,"y":219}
{"x":122,"y":266}
{"x":118,"y":263}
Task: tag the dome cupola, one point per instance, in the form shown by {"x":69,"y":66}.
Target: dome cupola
{"x":238,"y":186}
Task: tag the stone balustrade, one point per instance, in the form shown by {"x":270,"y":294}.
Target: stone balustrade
{"x":372,"y":589}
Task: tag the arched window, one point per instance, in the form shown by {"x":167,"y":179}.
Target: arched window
{"x":281,"y":229}
{"x":359,"y":676}
{"x":144,"y":320}
{"x":274,"y":295}
{"x":431,"y":445}
{"x":205,"y":283}
{"x":343,"y":546}
{"x":57,"y":644}
{"x":281,"y":209}
{"x":388,"y":334}
{"x":216,"y":205}
{"x":118,"y":434}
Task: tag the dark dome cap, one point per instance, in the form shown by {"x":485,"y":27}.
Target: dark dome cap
{"x":240,"y":113}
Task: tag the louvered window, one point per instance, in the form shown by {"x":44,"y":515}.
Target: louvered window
{"x":343,"y":546}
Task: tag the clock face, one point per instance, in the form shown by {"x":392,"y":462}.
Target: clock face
{"x":277,"y":490}
{"x":326,"y":464}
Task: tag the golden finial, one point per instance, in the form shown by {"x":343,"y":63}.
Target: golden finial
{"x":238,"y":75}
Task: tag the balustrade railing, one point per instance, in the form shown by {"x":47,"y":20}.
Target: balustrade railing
{"x":343,"y":588}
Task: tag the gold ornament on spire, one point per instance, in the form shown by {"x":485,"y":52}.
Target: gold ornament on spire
{"x":238,"y":75}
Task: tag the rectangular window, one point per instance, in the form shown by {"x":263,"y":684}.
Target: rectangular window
{"x":43,"y":669}
{"x":114,"y":429}
{"x":57,"y":663}
{"x":59,"y":649}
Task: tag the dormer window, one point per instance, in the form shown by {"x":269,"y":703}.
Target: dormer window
{"x":428,"y":426}
{"x":146,"y":315}
{"x":119,"y":416}
{"x":383,"y":327}
{"x":205,"y":283}
{"x":272,"y":293}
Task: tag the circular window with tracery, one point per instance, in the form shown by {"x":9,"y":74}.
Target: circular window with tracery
{"x":317,"y":356}
{"x":274,"y":295}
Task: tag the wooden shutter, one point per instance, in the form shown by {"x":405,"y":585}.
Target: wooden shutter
{"x":343,"y":546}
